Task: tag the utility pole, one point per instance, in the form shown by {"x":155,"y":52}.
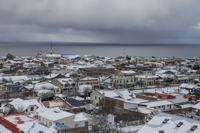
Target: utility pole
{"x":33,"y":90}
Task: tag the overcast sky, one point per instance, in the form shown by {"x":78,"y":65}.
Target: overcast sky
{"x":111,"y":21}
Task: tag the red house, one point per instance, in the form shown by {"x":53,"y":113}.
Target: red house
{"x":57,"y":103}
{"x":7,"y":126}
{"x":164,"y":96}
{"x":24,"y":90}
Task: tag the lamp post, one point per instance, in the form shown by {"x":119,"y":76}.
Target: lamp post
{"x":33,"y":90}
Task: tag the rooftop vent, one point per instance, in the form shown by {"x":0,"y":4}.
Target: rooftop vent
{"x":179,"y":124}
{"x":194,"y":127}
{"x":165,"y":121}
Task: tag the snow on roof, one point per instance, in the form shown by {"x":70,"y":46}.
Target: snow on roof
{"x":51,"y":76}
{"x":124,"y":94}
{"x":4,"y":129}
{"x":65,"y":80}
{"x":136,"y":101}
{"x":15,"y":78}
{"x":157,"y":103}
{"x":187,"y":105}
{"x":108,"y":93}
{"x":18,"y":118}
{"x":191,"y":86}
{"x":19,"y":103}
{"x":24,"y":123}
{"x":127,"y":72}
{"x":155,"y":124}
{"x":183,"y":85}
{"x":43,"y":85}
{"x":197,"y":106}
{"x":56,"y":103}
{"x":167,"y":90}
{"x":81,"y":117}
{"x":146,"y":76}
{"x":89,"y":78}
{"x":51,"y":115}
{"x":144,"y":110}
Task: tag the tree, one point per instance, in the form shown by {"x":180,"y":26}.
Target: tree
{"x":71,"y":93}
{"x":141,"y":83}
{"x":20,"y":109}
{"x":48,"y":96}
{"x":100,"y":116}
{"x":4,"y":80}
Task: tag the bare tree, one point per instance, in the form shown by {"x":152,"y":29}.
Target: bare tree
{"x":100,"y":116}
{"x":20,"y":109}
{"x":10,"y":80}
{"x":4,"y":80}
{"x":141,"y":83}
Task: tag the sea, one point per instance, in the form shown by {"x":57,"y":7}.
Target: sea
{"x":101,"y":49}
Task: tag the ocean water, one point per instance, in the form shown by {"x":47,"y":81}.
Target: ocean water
{"x":110,"y":50}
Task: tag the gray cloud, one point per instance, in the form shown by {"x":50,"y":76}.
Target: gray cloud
{"x":114,"y":21}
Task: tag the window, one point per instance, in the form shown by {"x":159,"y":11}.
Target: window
{"x":99,"y":98}
{"x":76,"y":125}
{"x":158,"y":106}
{"x":57,"y":90}
{"x":39,"y":118}
{"x":95,"y":97}
{"x":50,"y":123}
{"x":86,"y":123}
{"x":32,"y":108}
{"x":167,"y":105}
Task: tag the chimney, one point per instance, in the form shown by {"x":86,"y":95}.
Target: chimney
{"x":161,"y":131}
{"x":50,"y":75}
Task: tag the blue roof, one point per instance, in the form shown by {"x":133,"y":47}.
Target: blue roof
{"x":75,"y":103}
{"x":198,"y":89}
{"x":19,"y":87}
{"x":58,"y":126}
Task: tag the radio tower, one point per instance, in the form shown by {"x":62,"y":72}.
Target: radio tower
{"x":124,"y":53}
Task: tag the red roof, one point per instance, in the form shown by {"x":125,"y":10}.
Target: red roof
{"x":18,"y":118}
{"x":56,"y":103}
{"x":10,"y":126}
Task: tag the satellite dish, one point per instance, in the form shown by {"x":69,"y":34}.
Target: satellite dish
{"x":89,"y":128}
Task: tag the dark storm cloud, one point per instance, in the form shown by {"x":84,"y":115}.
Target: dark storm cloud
{"x":118,"y":21}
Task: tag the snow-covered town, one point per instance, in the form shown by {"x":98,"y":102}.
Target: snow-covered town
{"x":52,"y":93}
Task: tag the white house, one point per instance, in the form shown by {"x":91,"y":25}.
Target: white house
{"x":26,"y":106}
{"x":160,"y":105}
{"x":168,"y":123}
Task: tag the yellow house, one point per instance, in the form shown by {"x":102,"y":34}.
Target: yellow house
{"x":147,"y":65}
{"x":3,"y":88}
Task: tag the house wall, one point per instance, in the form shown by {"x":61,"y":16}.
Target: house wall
{"x":28,"y":110}
{"x":69,"y":121}
{"x":130,"y":105}
{"x":45,"y":122}
{"x":95,"y":97}
{"x":176,"y":111}
{"x":146,"y":98}
{"x":164,"y":107}
{"x":81,"y":123}
{"x":91,"y":82}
